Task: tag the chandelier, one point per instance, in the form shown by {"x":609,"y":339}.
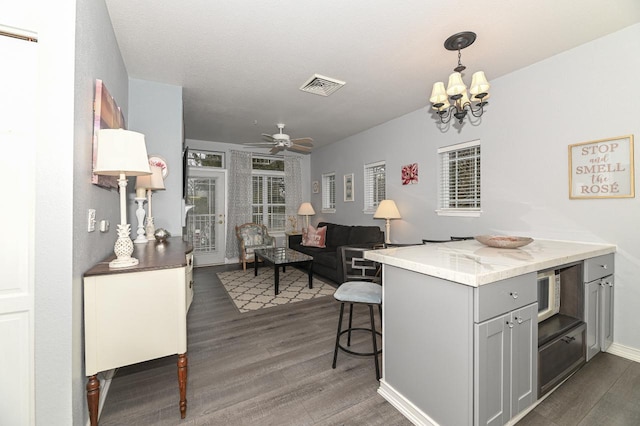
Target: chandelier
{"x":455,"y":102}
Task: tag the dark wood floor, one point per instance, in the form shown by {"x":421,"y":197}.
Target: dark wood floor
{"x":273,"y":367}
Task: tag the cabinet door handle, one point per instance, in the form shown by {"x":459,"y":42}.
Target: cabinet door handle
{"x":604,"y":266}
{"x":568,"y":339}
{"x":190,"y":284}
{"x":510,"y":324}
{"x":519,"y":319}
{"x":514,"y":294}
{"x":609,"y":283}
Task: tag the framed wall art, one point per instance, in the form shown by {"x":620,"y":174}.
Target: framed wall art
{"x":410,"y":174}
{"x":348,"y":187}
{"x":315,"y":187}
{"x":602,"y":169}
{"x":106,"y":115}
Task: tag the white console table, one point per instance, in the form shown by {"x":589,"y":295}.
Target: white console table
{"x":138,"y":313}
{"x":460,"y":329}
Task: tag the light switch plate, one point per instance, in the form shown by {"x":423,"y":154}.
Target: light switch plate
{"x":91,"y":220}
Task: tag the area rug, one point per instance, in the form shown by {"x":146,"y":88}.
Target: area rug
{"x":250,"y":293}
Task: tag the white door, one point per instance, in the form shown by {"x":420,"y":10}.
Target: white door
{"x":206,"y":192}
{"x":18,"y":77}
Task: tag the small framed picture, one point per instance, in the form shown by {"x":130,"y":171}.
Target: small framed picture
{"x":410,"y":174}
{"x":602,"y":169}
{"x":315,"y":187}
{"x":348,"y":187}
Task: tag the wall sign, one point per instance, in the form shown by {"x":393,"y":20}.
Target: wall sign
{"x":602,"y":169}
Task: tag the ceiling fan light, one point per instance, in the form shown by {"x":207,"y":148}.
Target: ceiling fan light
{"x":438,"y":94}
{"x":479,"y":83}
{"x":456,"y":86}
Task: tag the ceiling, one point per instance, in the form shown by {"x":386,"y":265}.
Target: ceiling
{"x":241,"y":62}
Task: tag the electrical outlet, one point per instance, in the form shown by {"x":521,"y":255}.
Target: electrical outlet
{"x":91,"y":220}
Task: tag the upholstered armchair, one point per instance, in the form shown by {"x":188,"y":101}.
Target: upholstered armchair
{"x":252,"y":236}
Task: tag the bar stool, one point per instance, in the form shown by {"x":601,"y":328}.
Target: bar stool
{"x":361,"y":286}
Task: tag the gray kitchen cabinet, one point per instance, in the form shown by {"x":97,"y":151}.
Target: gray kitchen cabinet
{"x":505,"y":370}
{"x":598,"y":303}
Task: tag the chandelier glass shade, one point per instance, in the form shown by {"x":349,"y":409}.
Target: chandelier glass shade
{"x":455,"y":101}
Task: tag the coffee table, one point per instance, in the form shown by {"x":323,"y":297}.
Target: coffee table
{"x":281,"y":257}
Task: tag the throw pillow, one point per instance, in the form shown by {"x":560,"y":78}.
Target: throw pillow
{"x":312,"y":237}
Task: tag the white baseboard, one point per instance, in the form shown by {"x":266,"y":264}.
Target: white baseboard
{"x":406,"y":407}
{"x":627,"y":352}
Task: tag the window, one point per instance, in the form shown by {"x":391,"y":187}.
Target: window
{"x":374,"y":186}
{"x":329,"y":192}
{"x":197,"y":158}
{"x":268,"y":191}
{"x":460,"y":179}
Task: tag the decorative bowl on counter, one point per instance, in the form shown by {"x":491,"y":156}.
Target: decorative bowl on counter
{"x":161,"y":235}
{"x":503,"y":241}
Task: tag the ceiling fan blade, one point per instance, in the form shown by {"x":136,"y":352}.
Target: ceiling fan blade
{"x":257,"y":143}
{"x":303,"y":141}
{"x":299,"y":148}
{"x":276,"y":149}
{"x":268,"y":136}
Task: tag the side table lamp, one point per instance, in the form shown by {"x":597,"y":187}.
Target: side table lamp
{"x":122,"y":153}
{"x":387,"y":210}
{"x":152,"y":182}
{"x":306,"y":209}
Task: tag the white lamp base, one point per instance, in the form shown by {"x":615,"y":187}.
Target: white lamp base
{"x":388,"y":233}
{"x":151,"y":229}
{"x":123,"y":249}
{"x":140,"y":213}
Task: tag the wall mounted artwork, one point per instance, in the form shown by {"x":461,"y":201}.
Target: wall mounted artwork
{"x":348,"y":187}
{"x":106,"y":115}
{"x":410,"y":174}
{"x":602,"y":169}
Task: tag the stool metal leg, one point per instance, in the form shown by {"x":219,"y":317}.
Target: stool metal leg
{"x":335,"y":351}
{"x":375,"y":344}
{"x":350,"y":326}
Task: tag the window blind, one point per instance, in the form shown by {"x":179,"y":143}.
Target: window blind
{"x":374,"y":185}
{"x":460,"y":176}
{"x":329,"y":191}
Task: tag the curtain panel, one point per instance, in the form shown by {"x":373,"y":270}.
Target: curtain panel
{"x":293,"y":191}
{"x":239,"y":208}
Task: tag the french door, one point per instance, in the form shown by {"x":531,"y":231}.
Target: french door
{"x":206,"y":192}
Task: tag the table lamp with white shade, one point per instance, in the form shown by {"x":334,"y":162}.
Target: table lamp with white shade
{"x":306,"y":209}
{"x":152,"y":182}
{"x":387,"y":210}
{"x":122,"y":153}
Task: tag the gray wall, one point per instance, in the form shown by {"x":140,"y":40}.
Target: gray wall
{"x":77,"y":45}
{"x":155,"y":109}
{"x":533,"y":115}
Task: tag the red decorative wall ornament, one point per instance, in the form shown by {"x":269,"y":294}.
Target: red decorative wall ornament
{"x":410,"y":174}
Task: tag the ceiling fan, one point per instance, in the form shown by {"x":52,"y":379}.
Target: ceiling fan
{"x":280,"y":141}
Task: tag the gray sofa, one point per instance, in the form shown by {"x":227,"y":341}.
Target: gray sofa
{"x":327,"y":261}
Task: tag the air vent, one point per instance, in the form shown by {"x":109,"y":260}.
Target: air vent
{"x":321,"y":85}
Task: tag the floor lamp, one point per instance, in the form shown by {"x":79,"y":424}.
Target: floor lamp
{"x":122,"y":153}
{"x":387,"y":210}
{"x":152,"y":182}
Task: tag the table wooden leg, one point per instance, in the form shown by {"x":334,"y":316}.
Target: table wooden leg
{"x":276,"y":278}
{"x":310,"y":274}
{"x":93,"y":397}
{"x":255,"y":265}
{"x":182,"y":383}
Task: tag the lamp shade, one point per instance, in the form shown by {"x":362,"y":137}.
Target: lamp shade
{"x":306,"y":209}
{"x":455,"y":86}
{"x":479,"y":83}
{"x":154,"y":181}
{"x":438,"y":94}
{"x":121,"y":152}
{"x":387,"y":210}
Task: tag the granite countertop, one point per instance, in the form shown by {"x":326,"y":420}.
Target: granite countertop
{"x":472,"y":263}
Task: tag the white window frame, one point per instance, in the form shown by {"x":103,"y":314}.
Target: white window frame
{"x":371,"y":200}
{"x":329,"y":192}
{"x":267,"y":176}
{"x":445,"y":196}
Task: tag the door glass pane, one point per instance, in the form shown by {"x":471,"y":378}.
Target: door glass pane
{"x":201,"y":193}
